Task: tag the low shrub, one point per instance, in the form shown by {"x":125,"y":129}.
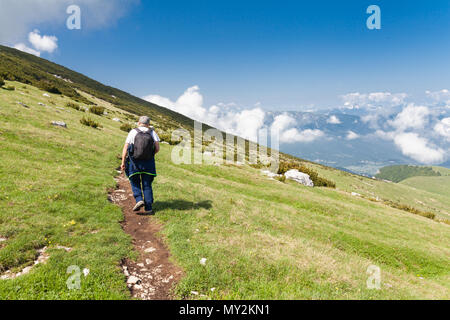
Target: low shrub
{"x":97,"y":110}
{"x":74,"y":106}
{"x":51,"y":88}
{"x":90,"y":123}
{"x":126,"y":127}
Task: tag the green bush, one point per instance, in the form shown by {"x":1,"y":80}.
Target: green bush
{"x":74,"y":106}
{"x":313,"y":175}
{"x":49,"y":87}
{"x":89,"y":122}
{"x":126,"y":127}
{"x":97,"y":110}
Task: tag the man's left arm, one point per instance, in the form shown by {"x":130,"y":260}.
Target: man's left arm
{"x":124,"y":156}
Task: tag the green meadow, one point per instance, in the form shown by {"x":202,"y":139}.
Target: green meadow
{"x":262,"y":238}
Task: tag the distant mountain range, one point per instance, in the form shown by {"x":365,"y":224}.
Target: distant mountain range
{"x":357,"y":140}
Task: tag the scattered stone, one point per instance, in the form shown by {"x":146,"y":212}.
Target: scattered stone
{"x":270,"y":174}
{"x":299,"y":177}
{"x":42,"y":258}
{"x":133,"y":280}
{"x":203,"y":261}
{"x":61,"y":124}
{"x":140,"y":265}
{"x":213,"y":289}
{"x":148,"y":261}
{"x":46,"y":95}
{"x":64,"y":248}
{"x":86,"y":272}
{"x":116,"y":120}
{"x":41,"y":104}
{"x":23,"y":105}
{"x":355,"y":194}
{"x":194,"y":293}
{"x":167,"y":279}
{"x":149,"y":250}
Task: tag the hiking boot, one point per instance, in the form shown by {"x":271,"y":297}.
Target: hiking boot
{"x":148,"y":213}
{"x":139,"y":205}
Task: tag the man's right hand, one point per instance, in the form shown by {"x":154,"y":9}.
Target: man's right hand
{"x":122,"y":166}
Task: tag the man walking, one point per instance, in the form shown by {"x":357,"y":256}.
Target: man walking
{"x":138,"y":161}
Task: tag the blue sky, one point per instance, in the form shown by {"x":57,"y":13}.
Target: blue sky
{"x":287,"y":55}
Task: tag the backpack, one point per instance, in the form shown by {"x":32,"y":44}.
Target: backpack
{"x":144,"y":145}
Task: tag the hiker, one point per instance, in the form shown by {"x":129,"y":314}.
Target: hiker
{"x":138,"y":161}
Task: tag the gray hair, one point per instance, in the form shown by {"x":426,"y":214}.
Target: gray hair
{"x":144,"y":120}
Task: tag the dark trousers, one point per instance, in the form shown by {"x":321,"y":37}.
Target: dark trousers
{"x":141,"y":184}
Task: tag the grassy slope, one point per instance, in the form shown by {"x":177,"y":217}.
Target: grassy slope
{"x":437,"y":185}
{"x":49,"y":177}
{"x":262,"y":238}
{"x":438,"y":203}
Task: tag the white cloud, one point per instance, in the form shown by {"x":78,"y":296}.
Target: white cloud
{"x":284,"y":126}
{"x":43,"y":43}
{"x":294,"y":135}
{"x":442,"y":96}
{"x":333,"y":120}
{"x":352,"y":135}
{"x":283,"y":122}
{"x":226,"y":117}
{"x":24,"y":48}
{"x":411,"y":117}
{"x":17,"y":18}
{"x":443,"y":128}
{"x":358,"y":100}
{"x":245,"y":123}
{"x":418,"y":148}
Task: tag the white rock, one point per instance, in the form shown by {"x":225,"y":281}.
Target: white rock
{"x":299,"y":177}
{"x":3,"y":239}
{"x":203,"y":261}
{"x":213,"y":289}
{"x":355,"y":194}
{"x":150,"y":250}
{"x":133,"y":280}
{"x":86,"y":272}
{"x":270,"y":174}
{"x":194,"y":293}
{"x":59,"y":124}
{"x":46,"y":95}
{"x":116,"y":119}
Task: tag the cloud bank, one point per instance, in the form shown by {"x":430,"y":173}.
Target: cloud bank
{"x":230,"y":118}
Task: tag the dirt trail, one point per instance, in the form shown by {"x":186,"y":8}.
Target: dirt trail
{"x":152,"y":275}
